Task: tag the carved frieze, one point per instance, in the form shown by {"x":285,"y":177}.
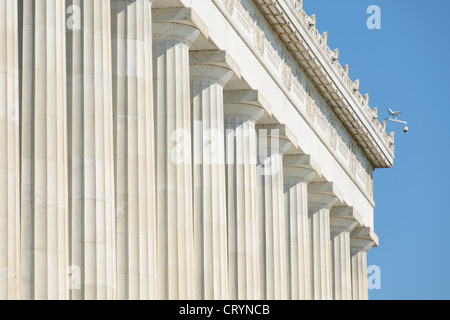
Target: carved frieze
{"x":287,"y":76}
{"x":260,"y":41}
{"x":229,"y":5}
{"x":310,"y":108}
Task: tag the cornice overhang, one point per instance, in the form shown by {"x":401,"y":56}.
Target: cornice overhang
{"x":298,"y":33}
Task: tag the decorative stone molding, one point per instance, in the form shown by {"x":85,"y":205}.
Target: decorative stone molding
{"x":287,"y":76}
{"x":300,"y":168}
{"x":323,"y":194}
{"x":280,"y":14}
{"x":221,"y":66}
{"x":324,"y":121}
{"x":249,"y":104}
{"x":229,"y":5}
{"x":347,"y":213}
{"x":260,"y":41}
{"x":364,"y":238}
{"x":182,"y":16}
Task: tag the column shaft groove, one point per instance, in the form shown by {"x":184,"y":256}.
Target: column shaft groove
{"x":9,"y":156}
{"x":321,"y":264}
{"x":297,"y":239}
{"x":271,"y":224}
{"x":44,"y":185}
{"x":241,"y":173}
{"x":171,"y":84}
{"x":209,"y":193}
{"x":91,"y":164}
{"x":342,"y":283}
{"x":134,"y":152}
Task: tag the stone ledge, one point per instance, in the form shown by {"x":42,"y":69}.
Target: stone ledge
{"x":298,"y":32}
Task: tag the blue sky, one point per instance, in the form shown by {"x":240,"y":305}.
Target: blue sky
{"x":404,"y":66}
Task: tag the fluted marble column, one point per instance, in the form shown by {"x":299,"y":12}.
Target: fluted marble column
{"x":171,"y":42}
{"x":271,"y":211}
{"x":134,"y":152}
{"x":241,"y":178}
{"x":321,"y":197}
{"x":298,"y":172}
{"x":9,"y":156}
{"x":360,"y":245}
{"x":91,"y":164}
{"x":340,"y":255}
{"x":209,"y":194}
{"x":44,"y":185}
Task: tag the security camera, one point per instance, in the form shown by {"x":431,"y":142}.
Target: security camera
{"x":393,"y":117}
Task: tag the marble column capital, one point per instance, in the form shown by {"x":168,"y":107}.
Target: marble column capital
{"x":300,"y":168}
{"x":120,"y":6}
{"x":298,"y":174}
{"x":347,"y":212}
{"x":242,"y":110}
{"x":210,"y":73}
{"x":167,"y":31}
{"x":219,"y":58}
{"x":178,"y":15}
{"x":274,"y":145}
{"x":280,"y":131}
{"x":323,"y":195}
{"x":245,"y":104}
{"x":360,"y":245}
{"x":362,"y":239}
{"x":277,"y":136}
{"x":340,"y":225}
{"x":321,"y":201}
{"x":174,"y":182}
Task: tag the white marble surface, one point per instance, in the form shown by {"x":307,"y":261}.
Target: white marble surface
{"x":298,"y":172}
{"x":341,"y":256}
{"x":9,"y":156}
{"x":171,"y":83}
{"x":91,"y":162}
{"x":321,"y":198}
{"x":209,"y":185}
{"x":360,"y":243}
{"x":44,"y":183}
{"x":134,"y":153}
{"x":271,"y":216}
{"x":241,"y":171}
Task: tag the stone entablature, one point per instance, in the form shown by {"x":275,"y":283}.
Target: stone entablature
{"x":309,"y":49}
{"x":334,"y":97}
{"x":305,"y":94}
